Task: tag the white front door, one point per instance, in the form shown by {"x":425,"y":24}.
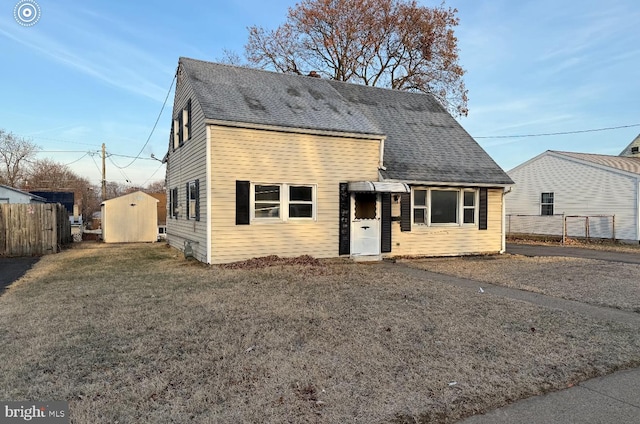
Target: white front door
{"x":365,"y":224}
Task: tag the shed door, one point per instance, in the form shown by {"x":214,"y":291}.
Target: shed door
{"x":365,"y":224}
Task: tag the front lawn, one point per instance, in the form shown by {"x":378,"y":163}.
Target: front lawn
{"x":135,"y":333}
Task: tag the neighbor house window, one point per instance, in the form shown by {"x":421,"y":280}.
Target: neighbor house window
{"x":546,"y":203}
{"x":266,"y":201}
{"x":193,"y":200}
{"x":420,"y":206}
{"x":186,"y":122}
{"x":175,"y":129}
{"x":444,"y":206}
{"x":281,"y":202}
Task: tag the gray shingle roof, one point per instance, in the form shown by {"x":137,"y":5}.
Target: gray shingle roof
{"x":424,"y":142}
{"x":621,"y":163}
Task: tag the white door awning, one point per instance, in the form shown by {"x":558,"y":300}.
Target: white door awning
{"x":379,"y":187}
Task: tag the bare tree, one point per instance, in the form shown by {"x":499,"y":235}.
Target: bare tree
{"x":155,"y":187}
{"x":48,"y":175}
{"x":390,"y":43}
{"x":15,"y":154}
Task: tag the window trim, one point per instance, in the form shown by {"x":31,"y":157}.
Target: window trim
{"x":460,"y":209}
{"x":284,"y":202}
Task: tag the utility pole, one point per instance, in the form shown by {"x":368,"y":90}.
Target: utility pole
{"x":104,"y":174}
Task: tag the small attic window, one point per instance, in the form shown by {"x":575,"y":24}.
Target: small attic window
{"x":635,"y":149}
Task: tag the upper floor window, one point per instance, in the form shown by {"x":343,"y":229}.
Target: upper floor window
{"x":181,"y":127}
{"x":546,"y":204}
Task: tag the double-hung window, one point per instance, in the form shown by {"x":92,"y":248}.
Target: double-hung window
{"x":193,"y":200}
{"x":468,"y":207}
{"x":267,"y":201}
{"x":278,"y":202}
{"x":546,"y":204}
{"x":444,"y":206}
{"x":420,"y":206}
{"x":300,"y":201}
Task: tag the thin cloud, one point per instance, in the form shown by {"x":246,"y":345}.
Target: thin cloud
{"x":104,"y":58}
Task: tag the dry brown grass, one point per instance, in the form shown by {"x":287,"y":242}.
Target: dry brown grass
{"x":134,"y":333}
{"x":611,"y":284}
{"x":595,"y":244}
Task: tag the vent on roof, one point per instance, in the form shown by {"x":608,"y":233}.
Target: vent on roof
{"x":314,"y":74}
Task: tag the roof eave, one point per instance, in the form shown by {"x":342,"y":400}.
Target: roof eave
{"x":295,"y":130}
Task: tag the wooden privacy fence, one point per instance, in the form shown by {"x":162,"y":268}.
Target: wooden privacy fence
{"x":33,"y":229}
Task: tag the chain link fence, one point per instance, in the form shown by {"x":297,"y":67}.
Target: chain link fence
{"x":561,"y":227}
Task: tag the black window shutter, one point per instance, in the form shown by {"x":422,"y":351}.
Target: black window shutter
{"x":180,"y":133}
{"x":188,"y":124}
{"x":242,"y":202}
{"x":405,"y":212}
{"x":197,"y":200}
{"x":385,"y":241}
{"x":344,"y":240}
{"x":482,"y":212}
{"x":188,"y":200}
{"x":172,"y":138}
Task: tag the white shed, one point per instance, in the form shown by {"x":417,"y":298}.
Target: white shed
{"x":130,"y":218}
{"x":578,"y":185}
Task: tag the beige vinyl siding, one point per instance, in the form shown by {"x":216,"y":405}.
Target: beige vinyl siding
{"x":188,"y":163}
{"x":450,"y":240}
{"x":262,"y":156}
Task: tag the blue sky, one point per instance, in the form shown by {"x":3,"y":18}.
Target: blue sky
{"x":96,"y":72}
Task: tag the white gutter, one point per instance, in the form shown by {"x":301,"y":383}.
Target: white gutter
{"x":504,"y":221}
{"x":208,"y":185}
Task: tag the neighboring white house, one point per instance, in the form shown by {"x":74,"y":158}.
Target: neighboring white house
{"x":13,"y":195}
{"x":578,"y":184}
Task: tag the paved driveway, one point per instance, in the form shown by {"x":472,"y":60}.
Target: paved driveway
{"x":573,"y":252}
{"x":13,"y":268}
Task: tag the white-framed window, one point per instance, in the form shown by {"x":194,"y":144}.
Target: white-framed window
{"x":300,"y":201}
{"x":444,"y":206}
{"x":193,"y":194}
{"x":469,"y":206}
{"x":266,"y":201}
{"x":420,"y":206}
{"x":546,"y":203}
{"x":181,"y":127}
{"x":283,"y":202}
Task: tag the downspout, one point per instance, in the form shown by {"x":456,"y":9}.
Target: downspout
{"x":208,"y":185}
{"x":638,"y":212}
{"x":504,"y":221}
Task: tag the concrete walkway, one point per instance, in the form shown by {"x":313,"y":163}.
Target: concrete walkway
{"x":614,"y":398}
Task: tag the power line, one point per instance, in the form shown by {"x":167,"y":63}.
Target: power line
{"x":154,"y":173}
{"x":77,"y":160}
{"x":154,"y":125}
{"x":560,"y":133}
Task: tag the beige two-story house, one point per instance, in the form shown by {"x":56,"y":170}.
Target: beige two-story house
{"x":263,"y":163}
